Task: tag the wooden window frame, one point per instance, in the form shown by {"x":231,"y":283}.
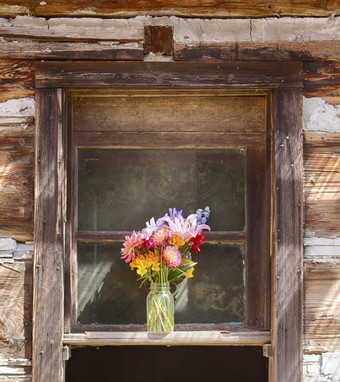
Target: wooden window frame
{"x":283,"y":344}
{"x":257,"y":200}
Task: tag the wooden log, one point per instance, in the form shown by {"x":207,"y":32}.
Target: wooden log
{"x":258,"y":51}
{"x":322,"y":184}
{"x":239,"y":8}
{"x":124,"y":31}
{"x":322,"y":304}
{"x":61,"y":50}
{"x":16,"y":79}
{"x":322,"y":78}
{"x":16,"y":187}
{"x":15,"y":308}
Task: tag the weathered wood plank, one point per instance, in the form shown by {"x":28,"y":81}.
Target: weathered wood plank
{"x":288,"y":267}
{"x":16,"y":79}
{"x":60,"y":50}
{"x":322,"y":304}
{"x":322,"y":78}
{"x":322,"y":184}
{"x":258,"y":51}
{"x":167,"y":74}
{"x":316,"y":139}
{"x":15,"y":310}
{"x":48,"y":291}
{"x":172,"y":111}
{"x":16,"y":187}
{"x":251,"y":338}
{"x":257,"y":260}
{"x":66,"y":29}
{"x":166,"y":140}
{"x":107,"y":236}
{"x":161,"y":7}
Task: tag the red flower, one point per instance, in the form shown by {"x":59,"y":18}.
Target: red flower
{"x":196,"y":242}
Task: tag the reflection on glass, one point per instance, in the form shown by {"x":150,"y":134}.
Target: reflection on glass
{"x":108,"y":292}
{"x":119,"y":190}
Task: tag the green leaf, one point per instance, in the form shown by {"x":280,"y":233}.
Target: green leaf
{"x":176,"y":273}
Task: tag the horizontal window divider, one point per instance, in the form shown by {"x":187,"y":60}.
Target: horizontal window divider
{"x":109,"y":236}
{"x":176,"y":338}
{"x":167,"y":140}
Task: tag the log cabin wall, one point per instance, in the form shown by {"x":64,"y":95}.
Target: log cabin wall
{"x":309,"y":33}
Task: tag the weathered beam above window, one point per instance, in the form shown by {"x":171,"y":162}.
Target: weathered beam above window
{"x":168,"y":74}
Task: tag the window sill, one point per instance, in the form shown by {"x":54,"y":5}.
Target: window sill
{"x":177,"y":338}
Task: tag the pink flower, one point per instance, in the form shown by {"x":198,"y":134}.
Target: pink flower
{"x":130,"y":243}
{"x":185,"y":228}
{"x":160,"y":237}
{"x":172,"y":256}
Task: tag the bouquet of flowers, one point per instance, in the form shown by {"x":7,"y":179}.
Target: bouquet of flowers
{"x":161,"y":252}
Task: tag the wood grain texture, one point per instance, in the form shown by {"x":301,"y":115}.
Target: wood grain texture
{"x":69,"y":50}
{"x":257,"y":261}
{"x":322,"y":78}
{"x":16,"y":79}
{"x":16,"y":186}
{"x":258,"y":51}
{"x":322,"y":305}
{"x":48,"y":291}
{"x":245,"y":8}
{"x":202,"y":111}
{"x":322,"y":184}
{"x":15,"y":310}
{"x":167,"y":74}
{"x":287,"y":285}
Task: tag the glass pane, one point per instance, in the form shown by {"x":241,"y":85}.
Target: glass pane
{"x":108,"y":292}
{"x":216,"y":293}
{"x":119,"y":190}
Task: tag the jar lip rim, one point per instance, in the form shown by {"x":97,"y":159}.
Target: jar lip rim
{"x":159,"y":285}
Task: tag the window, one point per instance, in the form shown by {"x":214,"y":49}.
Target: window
{"x":172,"y":153}
{"x":271,"y":237}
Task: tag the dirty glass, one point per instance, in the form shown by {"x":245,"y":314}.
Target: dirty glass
{"x":108,"y":292}
{"x":119,"y":190}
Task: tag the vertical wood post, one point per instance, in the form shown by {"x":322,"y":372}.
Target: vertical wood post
{"x":48,"y":279}
{"x":287,"y":286}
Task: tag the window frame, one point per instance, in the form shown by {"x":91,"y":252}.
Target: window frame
{"x":254,"y":237}
{"x":53,"y":80}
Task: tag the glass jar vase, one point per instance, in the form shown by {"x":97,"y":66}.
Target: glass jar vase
{"x":160,"y":309}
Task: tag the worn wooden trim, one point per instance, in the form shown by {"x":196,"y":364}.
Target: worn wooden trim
{"x":257,"y":261}
{"x":175,"y":338}
{"x":287,"y":282}
{"x":167,"y":74}
{"x":189,"y":140}
{"x":106,"y":236}
{"x":48,"y":293}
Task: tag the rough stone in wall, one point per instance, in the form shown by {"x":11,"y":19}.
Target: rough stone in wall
{"x":323,"y":367}
{"x":320,"y":116}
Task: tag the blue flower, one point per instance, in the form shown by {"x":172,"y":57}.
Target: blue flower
{"x":202,"y":216}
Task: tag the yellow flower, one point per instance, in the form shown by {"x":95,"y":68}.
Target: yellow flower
{"x":188,"y":273}
{"x":176,"y":241}
{"x":154,"y":261}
